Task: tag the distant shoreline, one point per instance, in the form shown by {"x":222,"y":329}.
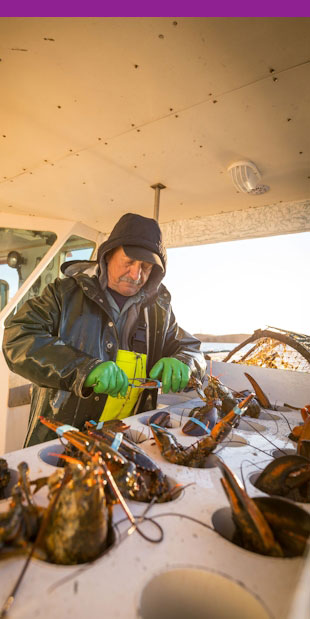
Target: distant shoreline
{"x":232,"y":337}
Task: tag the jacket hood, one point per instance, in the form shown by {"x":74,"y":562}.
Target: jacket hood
{"x":135,"y":230}
{"x":72,"y":268}
{"x":130,"y":230}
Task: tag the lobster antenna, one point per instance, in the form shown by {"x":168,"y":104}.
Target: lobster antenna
{"x":265,"y":437}
{"x":140,"y":435}
{"x":182,"y":416}
{"x":287,"y":421}
{"x":272,"y":417}
{"x":130,"y":516}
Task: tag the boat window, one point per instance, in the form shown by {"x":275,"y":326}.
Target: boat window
{"x":74,"y":248}
{"x":4,"y":293}
{"x":20,"y":252}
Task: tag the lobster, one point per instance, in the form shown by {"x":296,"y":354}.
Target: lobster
{"x":195,"y":455}
{"x":266,"y":525}
{"x":289,"y":475}
{"x":20,"y":523}
{"x":136,"y":475}
{"x":150,"y":478}
{"x":219,"y":400}
{"x":76,"y":525}
{"x":72,"y":529}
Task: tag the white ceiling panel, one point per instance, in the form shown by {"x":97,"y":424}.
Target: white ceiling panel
{"x":95,"y":110}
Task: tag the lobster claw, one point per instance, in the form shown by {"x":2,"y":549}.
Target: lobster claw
{"x":195,"y":383}
{"x":260,"y":395}
{"x":252,"y":527}
{"x":201,"y":421}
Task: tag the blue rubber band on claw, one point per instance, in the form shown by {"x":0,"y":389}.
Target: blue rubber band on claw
{"x":201,"y":424}
{"x":100,"y":425}
{"x":117,"y":440}
{"x":238,"y":410}
{"x":65,"y":428}
{"x":158,"y":382}
{"x":154,"y":425}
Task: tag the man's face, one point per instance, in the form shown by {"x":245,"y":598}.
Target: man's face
{"x":125,"y":275}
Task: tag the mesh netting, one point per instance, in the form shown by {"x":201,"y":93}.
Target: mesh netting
{"x":269,"y":353}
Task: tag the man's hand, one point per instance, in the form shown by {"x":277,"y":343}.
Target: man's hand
{"x":173,"y":374}
{"x":108,"y":378}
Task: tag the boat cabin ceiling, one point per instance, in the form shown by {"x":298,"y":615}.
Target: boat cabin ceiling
{"x":94,"y":111}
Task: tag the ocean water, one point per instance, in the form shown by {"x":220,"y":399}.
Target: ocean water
{"x":218,"y":346}
{"x":219,"y":350}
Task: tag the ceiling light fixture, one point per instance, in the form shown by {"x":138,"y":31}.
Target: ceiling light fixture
{"x":246,"y":177}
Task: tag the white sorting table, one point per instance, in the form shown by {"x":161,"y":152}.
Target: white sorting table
{"x":195,"y":564}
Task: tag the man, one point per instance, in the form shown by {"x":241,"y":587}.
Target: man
{"x":88,"y":338}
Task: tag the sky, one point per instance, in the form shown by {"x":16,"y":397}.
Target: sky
{"x":236,"y":287}
{"x":240,"y":286}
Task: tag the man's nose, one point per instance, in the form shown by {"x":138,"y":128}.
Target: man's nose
{"x":135,"y":271}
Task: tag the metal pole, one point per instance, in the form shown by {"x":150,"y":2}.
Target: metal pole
{"x":157,"y":187}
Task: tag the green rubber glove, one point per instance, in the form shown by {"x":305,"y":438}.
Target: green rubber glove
{"x":173,"y":374}
{"x":108,"y":378}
